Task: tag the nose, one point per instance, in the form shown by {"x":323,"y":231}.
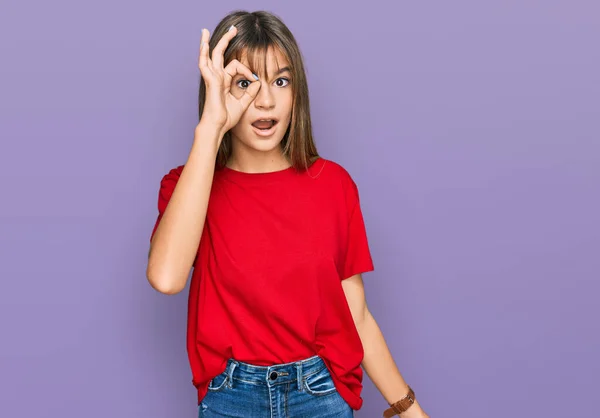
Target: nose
{"x":264,"y":99}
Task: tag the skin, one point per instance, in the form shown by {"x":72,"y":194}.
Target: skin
{"x":235,"y":99}
{"x":174,"y":244}
{"x":378,"y":362}
{"x":251,"y":152}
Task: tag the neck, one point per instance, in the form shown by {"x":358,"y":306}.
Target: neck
{"x":253,"y":161}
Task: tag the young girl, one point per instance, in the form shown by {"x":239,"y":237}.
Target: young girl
{"x":278,"y":325}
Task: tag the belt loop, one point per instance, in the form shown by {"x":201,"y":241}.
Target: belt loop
{"x":230,"y":374}
{"x":299,"y":375}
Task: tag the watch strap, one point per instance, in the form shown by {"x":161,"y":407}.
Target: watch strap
{"x":401,"y":406}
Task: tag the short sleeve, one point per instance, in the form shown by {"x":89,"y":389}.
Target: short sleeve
{"x":357,"y":255}
{"x":167,"y":186}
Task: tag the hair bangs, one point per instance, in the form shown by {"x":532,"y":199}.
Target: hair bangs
{"x":253,"y":50}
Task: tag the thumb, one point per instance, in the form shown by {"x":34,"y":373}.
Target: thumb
{"x":250,"y":94}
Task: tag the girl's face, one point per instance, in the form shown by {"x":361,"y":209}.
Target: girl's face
{"x":266,"y":120}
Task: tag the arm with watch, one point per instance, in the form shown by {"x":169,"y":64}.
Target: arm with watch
{"x":378,"y":362}
{"x":383,"y":372}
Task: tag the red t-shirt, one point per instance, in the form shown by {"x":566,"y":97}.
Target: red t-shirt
{"x":266,"y":286}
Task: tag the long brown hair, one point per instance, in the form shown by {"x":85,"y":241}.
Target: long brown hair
{"x":257,"y":32}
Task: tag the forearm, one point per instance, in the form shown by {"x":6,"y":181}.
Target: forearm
{"x":175,"y":242}
{"x":380,"y":366}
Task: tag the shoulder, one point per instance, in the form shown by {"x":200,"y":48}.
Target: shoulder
{"x":337,"y":181}
{"x":172,"y":175}
{"x":335,"y":172}
{"x":174,"y":172}
{"x":169,"y":181}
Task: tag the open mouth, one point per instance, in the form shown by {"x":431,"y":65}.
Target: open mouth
{"x":264,"y":124}
{"x":264,"y":127}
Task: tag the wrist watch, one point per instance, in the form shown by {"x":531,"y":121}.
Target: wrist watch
{"x":401,"y":406}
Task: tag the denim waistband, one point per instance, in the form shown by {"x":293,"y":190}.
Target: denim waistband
{"x":275,"y":374}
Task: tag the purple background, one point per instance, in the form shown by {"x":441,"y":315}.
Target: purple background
{"x":471,"y":128}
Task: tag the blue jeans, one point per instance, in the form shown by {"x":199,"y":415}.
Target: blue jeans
{"x":291,"y":390}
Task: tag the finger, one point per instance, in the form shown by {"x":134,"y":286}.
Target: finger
{"x":219,"y":49}
{"x":204,"y":62}
{"x":235,"y":67}
{"x":250,"y":94}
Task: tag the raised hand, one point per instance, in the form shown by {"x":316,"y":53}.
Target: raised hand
{"x":221,"y":107}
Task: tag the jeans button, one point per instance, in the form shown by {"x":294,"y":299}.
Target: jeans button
{"x":273,"y":375}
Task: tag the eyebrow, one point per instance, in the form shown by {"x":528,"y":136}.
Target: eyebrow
{"x":282,"y":70}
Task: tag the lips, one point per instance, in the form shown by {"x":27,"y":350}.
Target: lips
{"x":264,"y":124}
{"x":265,"y":127}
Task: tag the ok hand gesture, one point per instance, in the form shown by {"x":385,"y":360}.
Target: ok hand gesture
{"x":221,"y":107}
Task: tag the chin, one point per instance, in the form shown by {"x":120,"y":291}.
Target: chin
{"x":263,"y":145}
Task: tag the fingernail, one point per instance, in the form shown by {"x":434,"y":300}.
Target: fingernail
{"x":255,"y":76}
{"x":201,"y":44}
{"x":230,"y":28}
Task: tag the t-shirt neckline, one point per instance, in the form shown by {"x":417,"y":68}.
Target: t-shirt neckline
{"x":261,"y":176}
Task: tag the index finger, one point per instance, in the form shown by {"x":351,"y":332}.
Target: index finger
{"x":235,"y":67}
{"x":219,"y":49}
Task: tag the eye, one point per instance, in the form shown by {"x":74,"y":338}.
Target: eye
{"x":286,"y":81}
{"x":244,"y":83}
{"x":280,"y":82}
